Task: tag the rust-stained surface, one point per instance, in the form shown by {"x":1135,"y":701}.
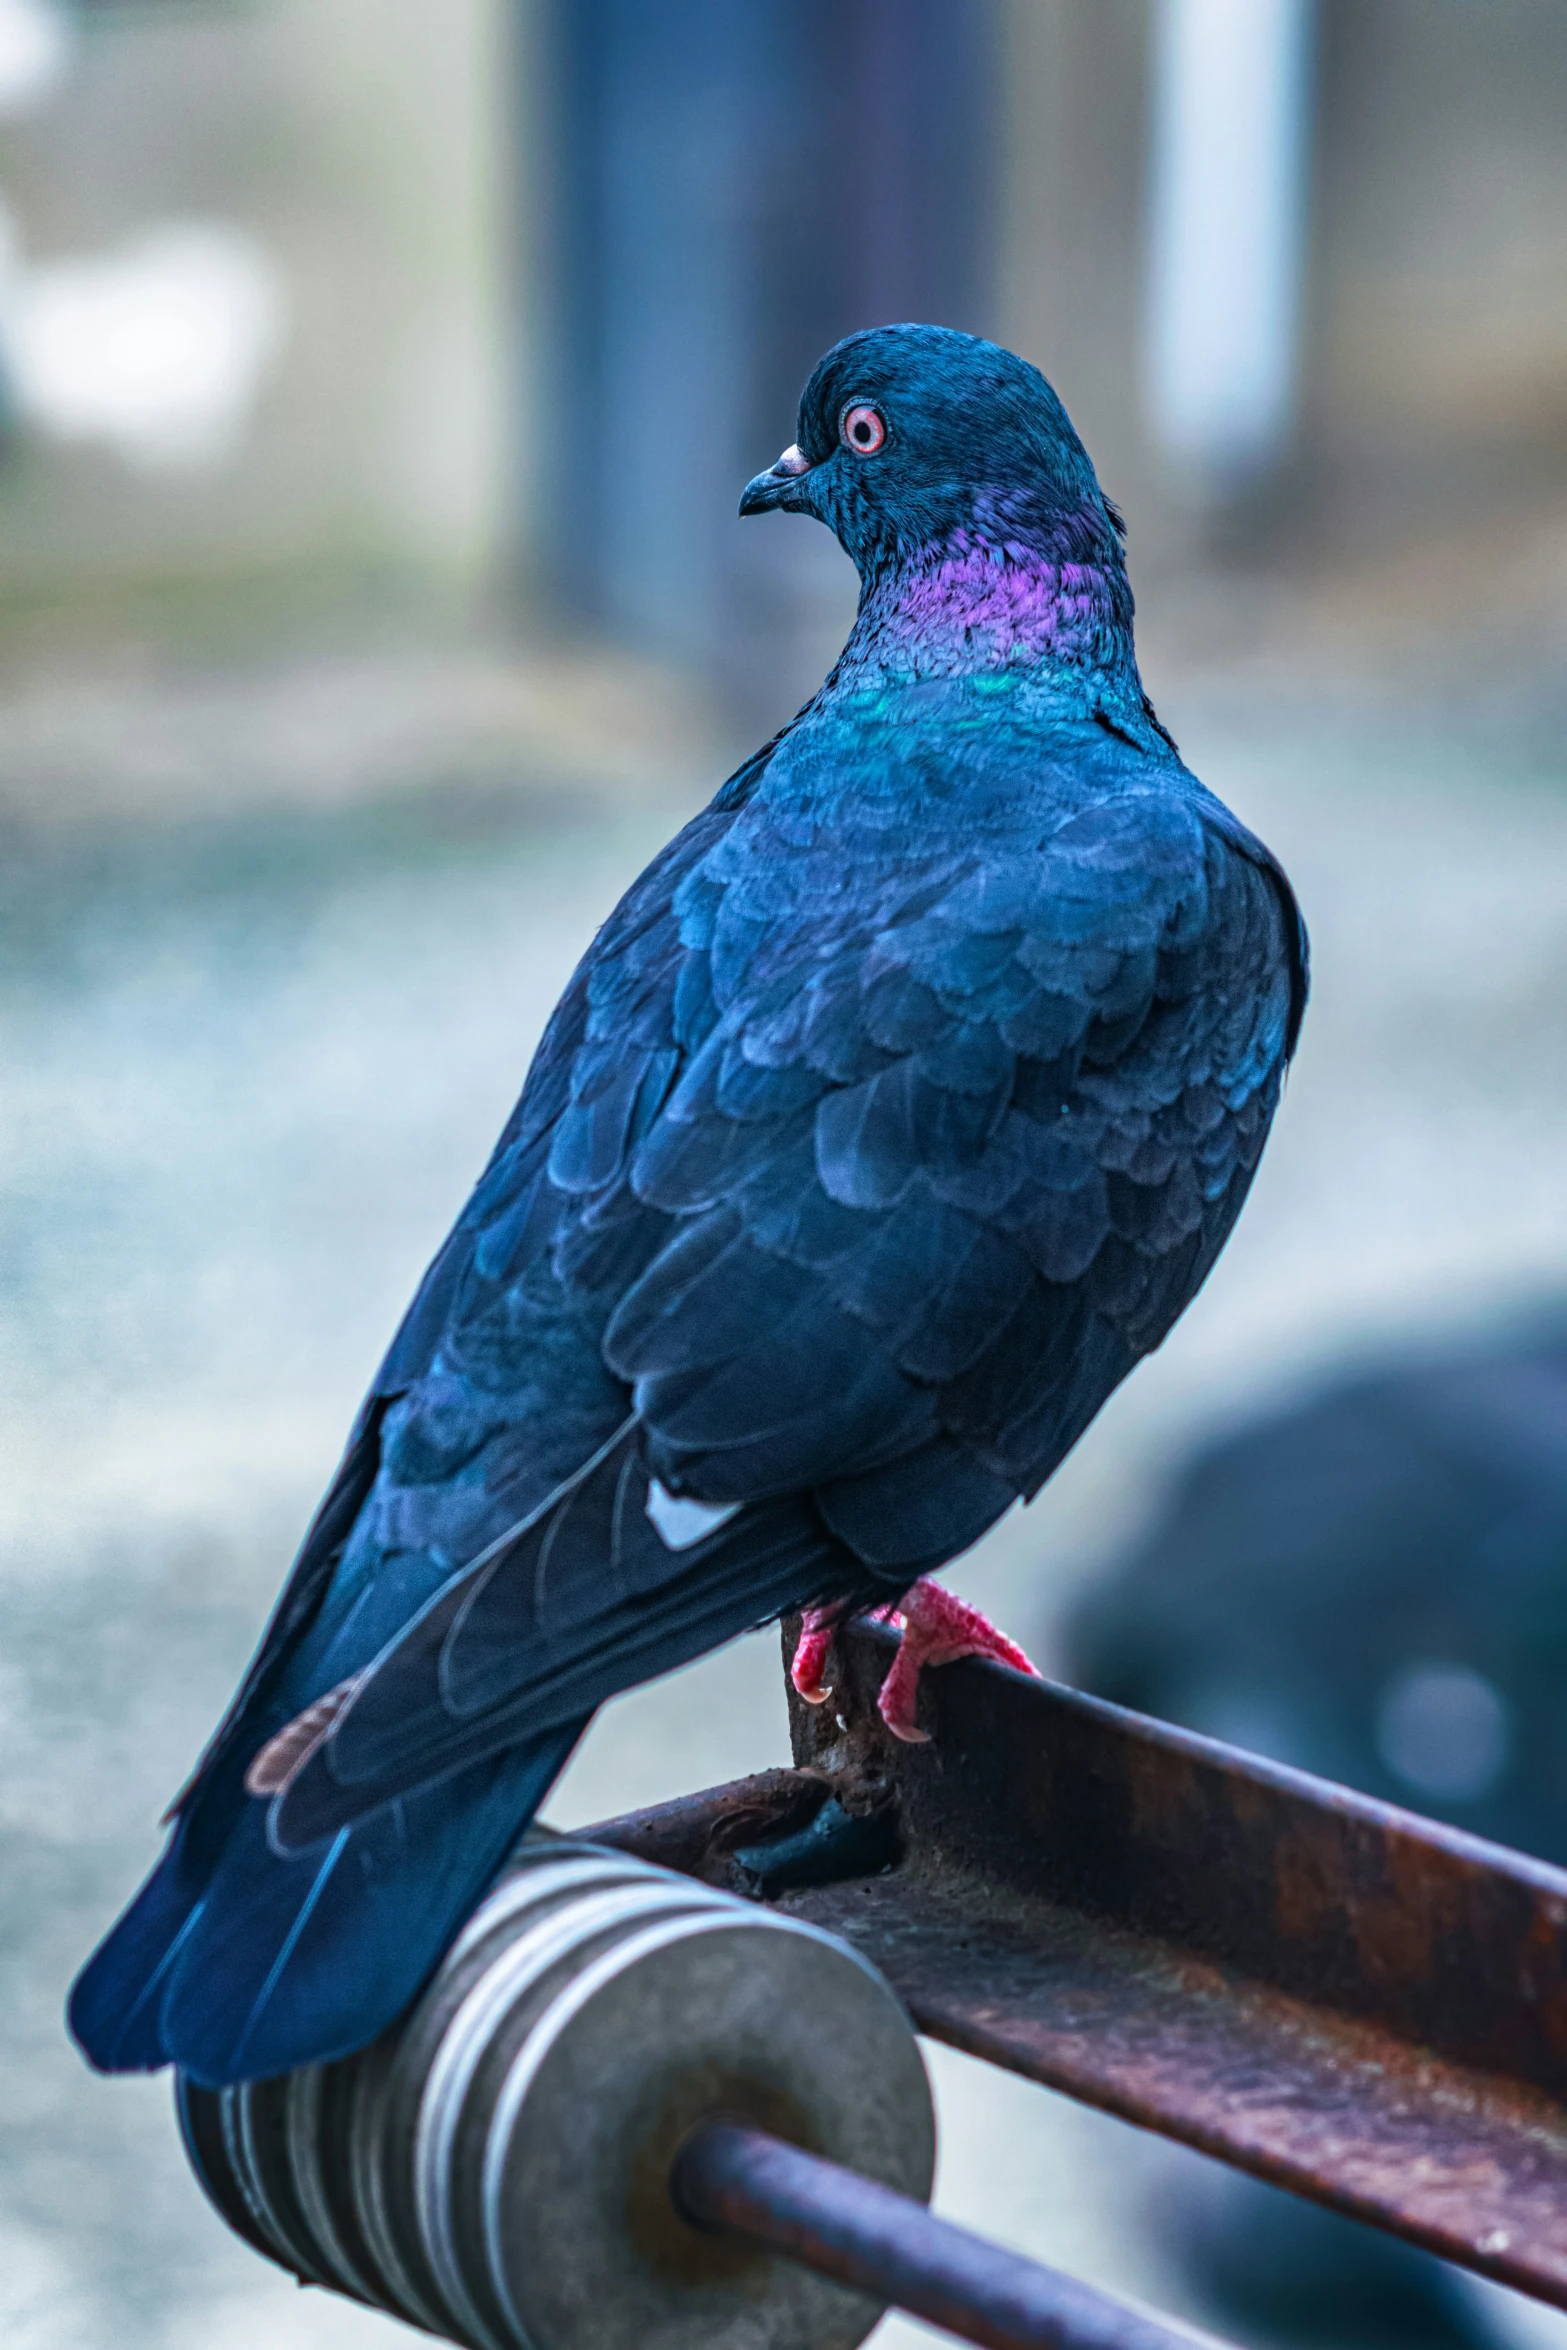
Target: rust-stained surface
{"x":1323,"y":1989}
{"x":698,"y":1833}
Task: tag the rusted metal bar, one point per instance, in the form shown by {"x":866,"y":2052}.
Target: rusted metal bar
{"x":1363,"y":2006}
{"x":749,"y":2184}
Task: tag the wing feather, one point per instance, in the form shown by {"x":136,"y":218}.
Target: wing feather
{"x":846,"y":1187}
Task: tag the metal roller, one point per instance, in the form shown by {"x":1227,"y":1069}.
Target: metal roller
{"x":496,"y":2168}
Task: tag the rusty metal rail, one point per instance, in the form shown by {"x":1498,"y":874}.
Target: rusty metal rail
{"x":1355,"y":2003}
{"x":775,"y":2196}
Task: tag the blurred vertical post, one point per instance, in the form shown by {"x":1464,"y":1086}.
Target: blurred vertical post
{"x":1229,"y":188}
{"x":731,"y":189}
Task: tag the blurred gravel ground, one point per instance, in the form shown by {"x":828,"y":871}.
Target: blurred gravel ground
{"x":252,"y":1064}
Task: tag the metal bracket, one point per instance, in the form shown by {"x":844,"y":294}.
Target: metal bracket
{"x":1356,"y":2003}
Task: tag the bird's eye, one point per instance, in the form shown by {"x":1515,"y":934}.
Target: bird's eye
{"x":862,"y":428}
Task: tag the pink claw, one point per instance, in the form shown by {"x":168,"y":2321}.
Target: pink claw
{"x":938,"y":1628}
{"x":810,"y":1657}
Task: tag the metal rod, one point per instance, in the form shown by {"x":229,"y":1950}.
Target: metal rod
{"x":747,"y":2183}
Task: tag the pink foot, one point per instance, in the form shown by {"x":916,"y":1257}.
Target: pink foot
{"x":938,"y":1628}
{"x":810,"y":1657}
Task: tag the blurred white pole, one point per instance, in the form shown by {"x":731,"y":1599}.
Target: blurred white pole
{"x":1229,"y":180}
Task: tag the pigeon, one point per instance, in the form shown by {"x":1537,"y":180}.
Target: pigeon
{"x":899,"y":1107}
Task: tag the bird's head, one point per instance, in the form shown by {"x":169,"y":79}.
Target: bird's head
{"x":914,"y":438}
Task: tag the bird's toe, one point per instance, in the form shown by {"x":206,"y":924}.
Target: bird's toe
{"x":938,"y":1629}
{"x":898,"y":1703}
{"x":808,"y":1671}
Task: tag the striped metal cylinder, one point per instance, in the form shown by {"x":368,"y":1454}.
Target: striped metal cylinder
{"x":495,"y":2168}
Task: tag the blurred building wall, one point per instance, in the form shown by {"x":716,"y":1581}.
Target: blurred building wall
{"x":1434,"y":330}
{"x":1070,"y":228}
{"x":1437,"y":348}
{"x":553,"y":271}
{"x":354,"y":143}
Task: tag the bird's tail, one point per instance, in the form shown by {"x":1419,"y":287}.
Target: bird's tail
{"x":247,"y":1964}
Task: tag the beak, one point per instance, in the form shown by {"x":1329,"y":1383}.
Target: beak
{"x":779,"y":488}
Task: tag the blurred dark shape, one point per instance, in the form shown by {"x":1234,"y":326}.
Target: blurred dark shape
{"x":1372,"y":1586}
{"x":1306,"y":2279}
{"x":735,"y":188}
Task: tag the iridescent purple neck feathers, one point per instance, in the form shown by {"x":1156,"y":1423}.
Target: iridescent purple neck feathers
{"x":977,"y":604}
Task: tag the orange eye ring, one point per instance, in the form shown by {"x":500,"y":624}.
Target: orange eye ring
{"x":862,"y":428}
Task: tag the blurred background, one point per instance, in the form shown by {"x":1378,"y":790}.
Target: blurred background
{"x":377,"y":382}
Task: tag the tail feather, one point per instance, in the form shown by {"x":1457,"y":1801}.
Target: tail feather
{"x":116,"y":2005}
{"x":286,"y":1958}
